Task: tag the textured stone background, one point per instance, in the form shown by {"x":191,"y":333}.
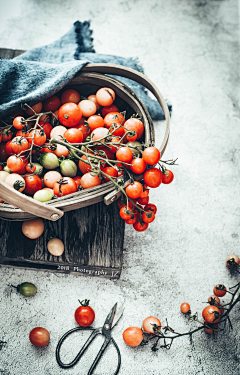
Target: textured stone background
{"x":190,"y":49}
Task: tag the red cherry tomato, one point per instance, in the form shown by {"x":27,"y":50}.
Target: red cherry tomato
{"x":148,"y":217}
{"x":64,"y":186}
{"x":84,"y":315}
{"x":39,"y":337}
{"x":185,"y":307}
{"x":114,"y":118}
{"x":134,"y":124}
{"x":167,"y":177}
{"x":211,"y":328}
{"x":126,"y":213}
{"x":38,"y":137}
{"x":134,"y":190}
{"x":151,"y":208}
{"x":73,"y":135}
{"x":219,"y":290}
{"x":232,"y":261}
{"x":70,"y":96}
{"x":19,"y":144}
{"x":153,"y":177}
{"x":19,"y":123}
{"x":140,"y":226}
{"x":32,"y":184}
{"x":108,"y":109}
{"x":110,"y":171}
{"x":133,"y":336}
{"x":7,"y":135}
{"x":124,"y":154}
{"x":51,"y":104}
{"x":95,"y":121}
{"x":47,"y":128}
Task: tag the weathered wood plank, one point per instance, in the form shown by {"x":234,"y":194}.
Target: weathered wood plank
{"x":93,"y":238}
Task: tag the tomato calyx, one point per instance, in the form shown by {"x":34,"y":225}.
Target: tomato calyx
{"x":84,"y":302}
{"x":62,"y":182}
{"x":18,"y":184}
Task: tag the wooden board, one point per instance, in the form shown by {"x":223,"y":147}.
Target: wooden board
{"x":93,"y":238}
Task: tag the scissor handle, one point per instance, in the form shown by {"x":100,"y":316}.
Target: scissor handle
{"x":78,"y":356}
{"x":100,"y":353}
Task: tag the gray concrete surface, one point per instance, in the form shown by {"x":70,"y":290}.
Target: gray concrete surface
{"x":190,"y":49}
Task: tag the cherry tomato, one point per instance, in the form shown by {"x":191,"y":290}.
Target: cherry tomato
{"x":88,"y":107}
{"x":134,"y":190}
{"x":140,"y":226}
{"x":134,"y":124}
{"x":84,"y":167}
{"x":16,"y":181}
{"x":70,"y":96}
{"x":114,"y":118}
{"x":167,"y":177}
{"x":151,"y":208}
{"x":148,"y":217}
{"x":143,"y":200}
{"x":84,"y":129}
{"x":14,"y":163}
{"x":22,"y":133}
{"x":19,"y":123}
{"x":19,"y":144}
{"x":94,"y":100}
{"x":69,"y":114}
{"x":124,"y":154}
{"x":61,"y":151}
{"x":110,"y":171}
{"x":145,"y":192}
{"x":211,"y":314}
{"x":73,"y":135}
{"x":88,"y":180}
{"x":105,"y":96}
{"x":33,"y":228}
{"x":214,"y":300}
{"x":47,"y":127}
{"x":185,"y":307}
{"x":36,"y":107}
{"x":151,"y":155}
{"x":232,"y":261}
{"x":57,"y":132}
{"x":39,"y":336}
{"x":211,"y":328}
{"x":125,"y":213}
{"x":151,"y":325}
{"x":33,"y":184}
{"x":122,"y":201}
{"x":51,"y":104}
{"x":153,"y":177}
{"x":133,"y":336}
{"x":113,"y":141}
{"x":77,"y":180}
{"x":31,"y":167}
{"x":95,"y":121}
{"x":64,"y":186}
{"x":51,"y":177}
{"x":7,"y":135}
{"x":84,"y":315}
{"x":219,"y":290}
{"x":38,"y":137}
{"x":108,"y":109}
{"x":3,"y":152}
{"x":99,"y":133}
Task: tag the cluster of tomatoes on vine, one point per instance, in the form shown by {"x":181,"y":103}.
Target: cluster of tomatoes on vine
{"x":213,"y":315}
{"x":68,"y":143}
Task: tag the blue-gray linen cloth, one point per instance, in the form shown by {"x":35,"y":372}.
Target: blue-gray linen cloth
{"x":41,"y":72}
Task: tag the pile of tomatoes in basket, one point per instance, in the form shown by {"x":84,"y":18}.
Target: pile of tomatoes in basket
{"x":67,"y":143}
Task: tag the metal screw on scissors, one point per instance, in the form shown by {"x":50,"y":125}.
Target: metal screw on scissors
{"x":109,"y":323}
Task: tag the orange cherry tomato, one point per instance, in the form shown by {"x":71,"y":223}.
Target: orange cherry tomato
{"x":14,"y":163}
{"x":77,"y":180}
{"x":151,"y":325}
{"x":124,"y":154}
{"x":214,"y":300}
{"x":151,"y":155}
{"x":31,"y":167}
{"x":105,"y":96}
{"x":84,"y":129}
{"x":134,"y":124}
{"x":95,"y":121}
{"x":134,"y":190}
{"x":19,"y":144}
{"x":47,"y":127}
{"x":133,"y":336}
{"x":108,"y":109}
{"x":211,"y":314}
{"x":138,"y":166}
{"x":51,"y":104}
{"x":33,"y":228}
{"x":232,"y":261}
{"x":69,"y":114}
{"x":84,"y":167}
{"x":110,"y":171}
{"x":73,"y":135}
{"x":185,"y":307}
{"x":114,"y":118}
{"x":70,"y":96}
{"x":38,"y":137}
{"x":64,"y":186}
{"x":19,"y":122}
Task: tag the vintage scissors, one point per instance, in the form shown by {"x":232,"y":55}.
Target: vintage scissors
{"x":109,"y":323}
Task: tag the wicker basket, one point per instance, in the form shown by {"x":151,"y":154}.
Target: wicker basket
{"x":87,"y":81}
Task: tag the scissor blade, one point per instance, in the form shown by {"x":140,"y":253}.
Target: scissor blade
{"x":117,"y":317}
{"x":110,"y":317}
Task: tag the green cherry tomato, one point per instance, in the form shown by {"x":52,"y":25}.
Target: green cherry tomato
{"x":68,"y":168}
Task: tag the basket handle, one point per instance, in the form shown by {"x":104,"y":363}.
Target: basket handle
{"x":28,"y":204}
{"x":134,"y":75}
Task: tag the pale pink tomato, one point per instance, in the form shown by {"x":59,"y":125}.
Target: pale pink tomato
{"x":16,"y":181}
{"x":61,"y":151}
{"x":99,"y":133}
{"x":58,"y":132}
{"x":88,"y":107}
{"x":51,"y":177}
